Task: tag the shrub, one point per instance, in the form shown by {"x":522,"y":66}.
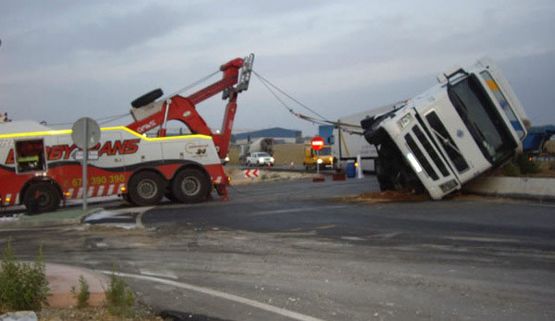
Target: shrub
{"x":23,"y":286}
{"x":526,"y":165}
{"x":511,"y":170}
{"x":119,"y":298}
{"x":83,"y":295}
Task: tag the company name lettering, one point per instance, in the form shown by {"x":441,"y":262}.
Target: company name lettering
{"x":109,"y":148}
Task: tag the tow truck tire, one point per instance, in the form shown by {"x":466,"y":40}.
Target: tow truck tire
{"x":145,"y":188}
{"x":41,"y":197}
{"x":147,"y":98}
{"x":190,"y":185}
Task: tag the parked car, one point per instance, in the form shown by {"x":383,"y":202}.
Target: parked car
{"x":260,"y":159}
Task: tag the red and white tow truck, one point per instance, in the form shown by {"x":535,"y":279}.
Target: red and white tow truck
{"x":39,"y":167}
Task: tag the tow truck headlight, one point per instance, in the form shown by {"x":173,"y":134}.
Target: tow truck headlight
{"x":414,"y":163}
{"x":320,"y":161}
{"x":272,"y":159}
{"x":261,"y":160}
{"x":405,"y":121}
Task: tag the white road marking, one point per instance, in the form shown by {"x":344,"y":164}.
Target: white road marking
{"x":167,"y":275}
{"x":482,"y":239}
{"x":294,"y":210}
{"x":122,"y":213}
{"x":352,"y":238}
{"x":222,"y":295}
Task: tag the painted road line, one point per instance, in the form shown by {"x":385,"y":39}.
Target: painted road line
{"x":219,"y":294}
{"x":139,"y":218}
{"x":167,"y":275}
{"x":120,"y":214}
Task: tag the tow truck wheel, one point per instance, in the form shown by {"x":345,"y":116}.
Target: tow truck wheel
{"x":41,"y":197}
{"x":190,"y":185}
{"x":145,"y":188}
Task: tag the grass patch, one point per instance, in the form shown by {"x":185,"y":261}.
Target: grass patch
{"x":119,"y":297}
{"x":23,"y":286}
{"x":83,"y":295}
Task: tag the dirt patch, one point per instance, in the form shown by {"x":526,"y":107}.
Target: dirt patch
{"x":386,"y":197}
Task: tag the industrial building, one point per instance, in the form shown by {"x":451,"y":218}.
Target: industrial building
{"x":278,"y":134}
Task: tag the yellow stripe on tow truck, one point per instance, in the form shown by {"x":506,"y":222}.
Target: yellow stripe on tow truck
{"x":116,"y":128}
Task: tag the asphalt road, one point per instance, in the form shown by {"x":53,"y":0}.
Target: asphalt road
{"x":298,"y":251}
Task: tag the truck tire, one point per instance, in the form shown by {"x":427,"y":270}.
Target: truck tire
{"x":147,"y":98}
{"x":145,"y":188}
{"x":41,"y":197}
{"x":383,"y":175}
{"x":190,"y":185}
{"x":394,"y":174}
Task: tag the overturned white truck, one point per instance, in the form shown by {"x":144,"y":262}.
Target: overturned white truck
{"x":464,"y":126}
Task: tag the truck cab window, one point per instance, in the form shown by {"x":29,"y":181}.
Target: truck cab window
{"x":503,"y":103}
{"x":482,"y":120}
{"x":30,"y":156}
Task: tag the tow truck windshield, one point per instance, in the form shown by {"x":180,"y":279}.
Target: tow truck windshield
{"x":482,"y":119}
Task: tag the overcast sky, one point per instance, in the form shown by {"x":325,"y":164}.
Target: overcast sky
{"x":61,"y":60}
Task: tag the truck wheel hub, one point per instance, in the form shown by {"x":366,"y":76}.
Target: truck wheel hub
{"x":190,"y":185}
{"x":147,"y":188}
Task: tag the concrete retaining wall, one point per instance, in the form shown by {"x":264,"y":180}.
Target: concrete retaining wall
{"x":522,"y":187}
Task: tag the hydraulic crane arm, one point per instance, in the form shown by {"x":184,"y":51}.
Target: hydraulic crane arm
{"x":235,"y":79}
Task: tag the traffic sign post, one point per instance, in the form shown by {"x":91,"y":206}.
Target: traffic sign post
{"x":317,"y":144}
{"x":85,"y":134}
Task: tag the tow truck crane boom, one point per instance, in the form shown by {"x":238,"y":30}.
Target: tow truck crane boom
{"x":152,"y":114}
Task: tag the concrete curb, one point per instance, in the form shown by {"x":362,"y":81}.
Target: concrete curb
{"x":534,"y":188}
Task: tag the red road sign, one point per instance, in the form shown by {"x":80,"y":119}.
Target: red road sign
{"x":251,"y":173}
{"x":317,"y":143}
